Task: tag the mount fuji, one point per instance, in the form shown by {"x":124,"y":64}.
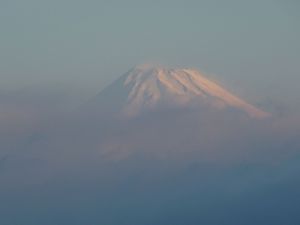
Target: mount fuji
{"x":146,"y":89}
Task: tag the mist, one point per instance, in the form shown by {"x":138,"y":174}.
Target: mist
{"x":60,"y":164}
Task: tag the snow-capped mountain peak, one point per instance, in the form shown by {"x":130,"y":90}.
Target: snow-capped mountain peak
{"x":146,"y":88}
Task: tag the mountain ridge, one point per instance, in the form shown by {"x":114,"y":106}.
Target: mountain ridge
{"x":148,"y":88}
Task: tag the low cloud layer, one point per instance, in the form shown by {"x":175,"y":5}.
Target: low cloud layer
{"x":60,"y":166}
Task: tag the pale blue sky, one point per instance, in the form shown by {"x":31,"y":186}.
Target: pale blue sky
{"x":59,"y":166}
{"x":253,"y":46}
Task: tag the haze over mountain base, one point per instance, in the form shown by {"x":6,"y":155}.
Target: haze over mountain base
{"x":135,"y":159}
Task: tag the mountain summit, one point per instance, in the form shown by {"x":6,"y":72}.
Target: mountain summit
{"x":147,"y":88}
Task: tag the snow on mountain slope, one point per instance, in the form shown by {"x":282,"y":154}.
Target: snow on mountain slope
{"x":146,"y":88}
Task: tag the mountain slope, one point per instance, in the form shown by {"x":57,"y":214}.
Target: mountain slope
{"x":148,"y":88}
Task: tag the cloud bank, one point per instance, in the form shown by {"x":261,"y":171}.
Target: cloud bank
{"x":60,"y":166}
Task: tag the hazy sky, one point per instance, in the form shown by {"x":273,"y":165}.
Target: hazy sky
{"x":252,"y":46}
{"x":63,"y":164}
